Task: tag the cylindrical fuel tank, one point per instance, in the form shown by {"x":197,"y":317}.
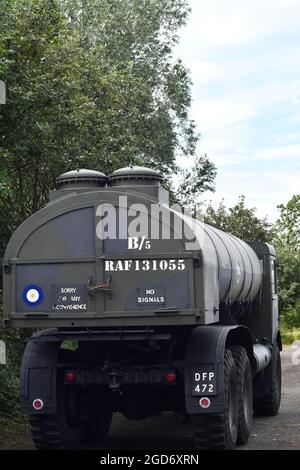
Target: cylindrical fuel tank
{"x":229,"y":264}
{"x":239,"y":268}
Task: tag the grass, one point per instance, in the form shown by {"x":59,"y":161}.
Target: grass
{"x":13,"y":424}
{"x":289,"y":335}
{"x":14,"y":433}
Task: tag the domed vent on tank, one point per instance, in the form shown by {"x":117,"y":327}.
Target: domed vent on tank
{"x":135,"y":175}
{"x":81,"y":179}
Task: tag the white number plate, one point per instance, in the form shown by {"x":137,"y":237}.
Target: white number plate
{"x":204,"y":382}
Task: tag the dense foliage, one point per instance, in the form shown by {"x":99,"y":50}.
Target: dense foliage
{"x":240,"y":221}
{"x":284,"y":235}
{"x":287,"y":242}
{"x":93,"y":87}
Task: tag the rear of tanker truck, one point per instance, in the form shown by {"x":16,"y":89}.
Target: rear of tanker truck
{"x":140,"y":309}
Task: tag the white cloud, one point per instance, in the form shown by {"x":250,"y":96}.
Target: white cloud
{"x":286,"y":3}
{"x":205,"y":71}
{"x":222,"y":23}
{"x":244,"y":58}
{"x":265,"y":190}
{"x":214,"y":115}
{"x":286,"y":152}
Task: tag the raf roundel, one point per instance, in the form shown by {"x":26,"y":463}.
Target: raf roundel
{"x":32,"y":295}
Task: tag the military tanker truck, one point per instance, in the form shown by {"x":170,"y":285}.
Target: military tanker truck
{"x":139,"y":309}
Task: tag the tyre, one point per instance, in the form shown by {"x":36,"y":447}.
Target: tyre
{"x":59,"y":430}
{"x":245,"y":393}
{"x":269,"y":404}
{"x":55,"y":431}
{"x":219,"y":430}
{"x":96,"y":429}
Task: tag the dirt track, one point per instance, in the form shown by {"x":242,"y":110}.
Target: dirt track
{"x":162,"y":432}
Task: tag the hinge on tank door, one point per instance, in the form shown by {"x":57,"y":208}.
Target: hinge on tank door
{"x":197,"y":262}
{"x":7,"y":267}
{"x":102,"y":287}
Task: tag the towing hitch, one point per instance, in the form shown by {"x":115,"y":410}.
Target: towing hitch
{"x":114,"y":383}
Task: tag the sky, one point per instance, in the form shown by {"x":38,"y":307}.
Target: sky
{"x":244,"y":61}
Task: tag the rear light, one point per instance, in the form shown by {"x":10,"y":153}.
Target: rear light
{"x":70,"y":377}
{"x":38,"y":404}
{"x":170,"y":377}
{"x":204,"y":402}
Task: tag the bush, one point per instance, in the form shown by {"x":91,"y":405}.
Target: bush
{"x":290,"y":317}
{"x":9,"y":374}
{"x":288,"y":336}
{"x":290,"y":324}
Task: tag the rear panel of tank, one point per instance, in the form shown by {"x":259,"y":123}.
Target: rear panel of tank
{"x":57,"y":253}
{"x":87,"y":280}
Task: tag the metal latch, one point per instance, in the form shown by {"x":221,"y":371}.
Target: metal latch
{"x":7,"y":266}
{"x":102,"y":287}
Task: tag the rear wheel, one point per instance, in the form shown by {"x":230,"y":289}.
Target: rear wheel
{"x":96,"y":429}
{"x":269,"y":404}
{"x":55,"y":431}
{"x":245,"y":393}
{"x":219,"y":430}
{"x":63,"y":431}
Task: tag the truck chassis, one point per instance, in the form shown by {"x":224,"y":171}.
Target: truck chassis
{"x":211,"y":375}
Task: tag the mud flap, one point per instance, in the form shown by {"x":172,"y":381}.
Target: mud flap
{"x":204,"y":365}
{"x":39,"y":374}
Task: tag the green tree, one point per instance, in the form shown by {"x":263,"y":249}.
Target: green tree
{"x":141,"y":35}
{"x":287,"y":243}
{"x":240,"y":221}
{"x":94,"y":85}
{"x":195,"y":181}
{"x":288,"y":224}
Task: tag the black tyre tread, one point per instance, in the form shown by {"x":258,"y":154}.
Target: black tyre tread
{"x":241,"y":360}
{"x":211,"y":431}
{"x":46,"y":432}
{"x":96,"y":430}
{"x":53,"y":431}
{"x":269,"y":404}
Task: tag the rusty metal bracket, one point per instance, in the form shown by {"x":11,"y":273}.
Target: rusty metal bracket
{"x":102,"y":287}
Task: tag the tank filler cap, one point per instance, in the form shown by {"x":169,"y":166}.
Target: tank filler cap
{"x":134,"y":175}
{"x":81,"y":178}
